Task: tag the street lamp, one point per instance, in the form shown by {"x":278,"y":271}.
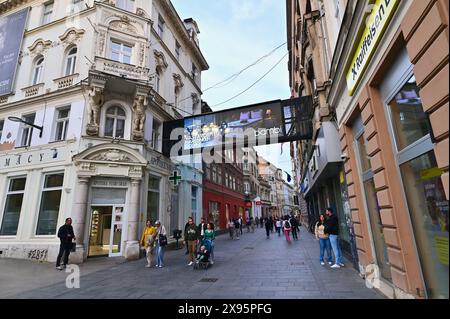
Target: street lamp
{"x":18,"y":119}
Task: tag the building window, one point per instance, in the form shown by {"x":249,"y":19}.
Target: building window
{"x":127,"y":5}
{"x":226,"y":180}
{"x":214,"y":213}
{"x":26,"y":131}
{"x":194,"y":202}
{"x":246,"y":187}
{"x":161,"y":24}
{"x":121,"y":52}
{"x":13,"y":206}
{"x":219,"y":175}
{"x":156,"y":128}
{"x":71,"y":61}
{"x":194,"y":72}
{"x":77,"y":6}
{"x":153,"y":198}
{"x":2,"y":124}
{"x":115,"y":122}
{"x":47,"y":14}
{"x":214,"y":174}
{"x":62,"y":123}
{"x":50,"y":204}
{"x":37,"y":71}
{"x":177,"y":50}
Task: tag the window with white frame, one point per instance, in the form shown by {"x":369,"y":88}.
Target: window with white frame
{"x":26,"y":131}
{"x":121,"y":52}
{"x":177,"y":50}
{"x":71,"y":61}
{"x":13,"y":206}
{"x":161,"y":24}
{"x":115,"y":122}
{"x":50,"y":204}
{"x":2,"y":124}
{"x":62,"y":123}
{"x":47,"y":12}
{"x":127,"y":5}
{"x":155,"y":134}
{"x":37,"y":71}
{"x":76,"y":6}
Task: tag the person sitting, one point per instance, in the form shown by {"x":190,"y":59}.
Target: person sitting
{"x":203,"y":255}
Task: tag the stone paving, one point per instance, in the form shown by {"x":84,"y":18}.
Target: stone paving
{"x":248,"y":268}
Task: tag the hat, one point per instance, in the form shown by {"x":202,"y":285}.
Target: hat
{"x":157,"y":222}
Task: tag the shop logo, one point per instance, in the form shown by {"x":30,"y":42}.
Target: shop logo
{"x":73,"y":279}
{"x":373,"y":276}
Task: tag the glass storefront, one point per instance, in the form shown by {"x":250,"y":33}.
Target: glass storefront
{"x":153,"y":198}
{"x":13,"y":206}
{"x":50,"y":203}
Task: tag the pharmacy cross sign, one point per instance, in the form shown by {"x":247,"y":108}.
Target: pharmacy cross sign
{"x":175,"y":178}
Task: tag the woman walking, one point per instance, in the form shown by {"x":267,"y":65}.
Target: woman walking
{"x":324,"y":240}
{"x":231,"y":228}
{"x":287,"y":229}
{"x":161,"y":242}
{"x":209,"y":237}
{"x":148,"y":242}
{"x":278,"y":226}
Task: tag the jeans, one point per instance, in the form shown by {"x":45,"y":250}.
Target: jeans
{"x":268,"y":231}
{"x":294,"y":233}
{"x":325,"y":245}
{"x":278,"y":231}
{"x":64,"y":249}
{"x":211,"y":252}
{"x":334,"y":239}
{"x":159,"y":255}
{"x":286,"y":233}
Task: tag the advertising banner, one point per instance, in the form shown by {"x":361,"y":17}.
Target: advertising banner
{"x":12,"y":28}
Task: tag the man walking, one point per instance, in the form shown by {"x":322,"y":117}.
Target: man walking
{"x":332,"y":229}
{"x":202,"y":227}
{"x":191,"y":237}
{"x":294,"y":225}
{"x":269,"y":225}
{"x":65,"y":235}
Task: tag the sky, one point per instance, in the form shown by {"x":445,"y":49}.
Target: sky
{"x":233,"y":35}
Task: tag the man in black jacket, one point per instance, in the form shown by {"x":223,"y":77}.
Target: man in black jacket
{"x":202,"y":227}
{"x":332,"y":229}
{"x":294,"y":224}
{"x":65,"y":235}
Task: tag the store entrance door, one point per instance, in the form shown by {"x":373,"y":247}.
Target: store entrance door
{"x":105,"y":238}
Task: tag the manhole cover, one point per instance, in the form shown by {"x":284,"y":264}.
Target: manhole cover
{"x":249,"y":247}
{"x":208,"y":279}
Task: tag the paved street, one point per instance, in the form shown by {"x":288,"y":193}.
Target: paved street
{"x":252,"y":267}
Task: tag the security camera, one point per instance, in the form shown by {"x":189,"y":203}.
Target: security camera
{"x":344,"y":156}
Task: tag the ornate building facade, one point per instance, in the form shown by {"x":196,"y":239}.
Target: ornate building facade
{"x":81,"y":131}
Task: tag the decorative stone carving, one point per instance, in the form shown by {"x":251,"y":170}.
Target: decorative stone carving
{"x":142,"y":13}
{"x":139,"y":105}
{"x":39,"y":47}
{"x":123,"y":26}
{"x":96,"y":100}
{"x":142,"y":54}
{"x":101,"y":43}
{"x":195,"y":98}
{"x":111,"y":155}
{"x":178,"y":82}
{"x":161,"y":63}
{"x":71,"y":36}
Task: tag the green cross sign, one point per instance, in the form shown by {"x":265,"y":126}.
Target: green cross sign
{"x":175,"y":178}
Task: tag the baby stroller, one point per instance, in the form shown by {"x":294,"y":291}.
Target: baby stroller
{"x":202,"y":260}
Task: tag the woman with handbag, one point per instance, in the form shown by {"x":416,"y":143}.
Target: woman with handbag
{"x":148,"y":242}
{"x":161,"y":243}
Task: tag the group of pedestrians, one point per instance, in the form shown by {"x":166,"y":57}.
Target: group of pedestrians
{"x":154,"y":240}
{"x":285,"y":224}
{"x":235,"y":226}
{"x":199,"y":238}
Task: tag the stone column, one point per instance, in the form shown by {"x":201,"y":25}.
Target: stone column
{"x":132,"y":245}
{"x":78,"y":214}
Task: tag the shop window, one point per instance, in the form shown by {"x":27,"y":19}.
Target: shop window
{"x":50,"y":204}
{"x":409,"y":121}
{"x":13,"y":206}
{"x":26,"y":131}
{"x":214,"y":213}
{"x":76,"y":6}
{"x":153,"y":198}
{"x":161,"y":25}
{"x":121,"y":52}
{"x":71,"y":61}
{"x":115,"y":122}
{"x":194,"y":206}
{"x":62,"y":123}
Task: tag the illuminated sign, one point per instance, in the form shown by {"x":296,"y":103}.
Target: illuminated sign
{"x":376,"y":25}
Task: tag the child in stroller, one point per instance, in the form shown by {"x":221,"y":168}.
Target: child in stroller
{"x":202,"y":260}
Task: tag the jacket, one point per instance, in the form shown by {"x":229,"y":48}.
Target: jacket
{"x":201,"y":227}
{"x":319,"y":231}
{"x":209,"y":235}
{"x":65,"y":234}
{"x":148,"y":231}
{"x":332,"y":225}
{"x":191,"y":233}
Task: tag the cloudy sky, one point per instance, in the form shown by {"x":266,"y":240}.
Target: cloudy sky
{"x":234,"y":34}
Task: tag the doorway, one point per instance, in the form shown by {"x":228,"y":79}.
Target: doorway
{"x":105,"y":237}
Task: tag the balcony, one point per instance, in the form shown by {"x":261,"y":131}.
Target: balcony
{"x":33,"y":90}
{"x":119,"y":69}
{"x":66,"y":81}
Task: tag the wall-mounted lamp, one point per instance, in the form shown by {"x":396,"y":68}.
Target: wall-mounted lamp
{"x":20,"y":120}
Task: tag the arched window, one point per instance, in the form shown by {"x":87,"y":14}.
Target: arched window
{"x":71,"y":61}
{"x":115,"y":122}
{"x":37,"y":70}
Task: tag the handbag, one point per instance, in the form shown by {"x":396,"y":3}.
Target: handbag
{"x":73,"y":248}
{"x":162,"y":240}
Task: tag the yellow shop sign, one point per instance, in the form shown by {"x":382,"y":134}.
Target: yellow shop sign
{"x":376,"y":25}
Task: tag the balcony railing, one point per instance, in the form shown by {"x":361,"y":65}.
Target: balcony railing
{"x":66,"y":81}
{"x":33,"y":90}
{"x":119,"y":69}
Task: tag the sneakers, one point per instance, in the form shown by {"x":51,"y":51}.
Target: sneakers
{"x":330,"y":263}
{"x":211,"y":262}
{"x":335,"y":266}
{"x":322,"y":263}
{"x":59,"y":268}
{"x":190,"y":264}
{"x":148,"y":266}
{"x":341,"y":264}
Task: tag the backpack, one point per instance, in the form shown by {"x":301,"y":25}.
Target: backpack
{"x":287,"y":224}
